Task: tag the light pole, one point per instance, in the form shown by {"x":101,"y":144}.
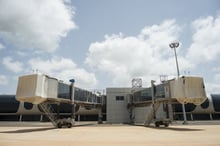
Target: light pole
{"x":173,"y":46}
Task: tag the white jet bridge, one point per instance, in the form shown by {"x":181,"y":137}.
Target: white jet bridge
{"x":43,"y":90}
{"x":185,"y":89}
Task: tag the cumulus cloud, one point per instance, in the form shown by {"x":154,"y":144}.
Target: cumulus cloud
{"x":3,"y":80}
{"x":212,"y":88}
{"x":146,"y":55}
{"x":35,"y":24}
{"x":64,"y":69}
{"x":206,"y":42}
{"x":14,"y":66}
{"x":205,"y":49}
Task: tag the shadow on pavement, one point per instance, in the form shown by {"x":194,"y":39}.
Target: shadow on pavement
{"x":29,"y":130}
{"x":43,"y":129}
{"x":175,"y":128}
{"x":170,"y":128}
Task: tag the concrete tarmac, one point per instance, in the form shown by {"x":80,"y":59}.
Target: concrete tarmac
{"x":197,"y":133}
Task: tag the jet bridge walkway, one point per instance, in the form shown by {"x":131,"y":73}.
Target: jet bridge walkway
{"x":45,"y":91}
{"x":180,"y":90}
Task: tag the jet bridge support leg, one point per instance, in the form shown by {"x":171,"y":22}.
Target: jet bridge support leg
{"x":184,"y":114}
{"x":73,"y":114}
{"x":100,"y":116}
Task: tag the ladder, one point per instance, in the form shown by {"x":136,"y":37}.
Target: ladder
{"x":151,"y":113}
{"x":49,"y":112}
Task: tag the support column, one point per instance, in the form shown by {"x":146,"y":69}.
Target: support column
{"x":184,"y":114}
{"x":73,"y":114}
{"x":131,"y":114}
{"x":72,"y":97}
{"x":191,"y":116}
{"x":210,"y":115}
{"x":41,"y":118}
{"x":100,"y":116}
{"x":153,"y":98}
{"x":78,"y":117}
{"x":20,"y":118}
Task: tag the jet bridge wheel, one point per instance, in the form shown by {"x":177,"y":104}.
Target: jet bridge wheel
{"x":158,"y":123}
{"x":69,"y":125}
{"x":59,"y":125}
{"x":64,"y":123}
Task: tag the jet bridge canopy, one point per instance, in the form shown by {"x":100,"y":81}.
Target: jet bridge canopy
{"x":188,"y":90}
{"x":36,"y":88}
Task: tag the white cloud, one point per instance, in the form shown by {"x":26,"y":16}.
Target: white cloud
{"x":1,"y":46}
{"x":147,"y":55}
{"x":217,"y":77}
{"x":206,"y":42}
{"x":216,"y":69}
{"x":14,"y":66}
{"x":3,"y":80}
{"x":212,"y":88}
{"x":64,"y":69}
{"x":35,"y":24}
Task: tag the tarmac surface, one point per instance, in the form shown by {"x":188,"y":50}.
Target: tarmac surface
{"x":197,"y":133}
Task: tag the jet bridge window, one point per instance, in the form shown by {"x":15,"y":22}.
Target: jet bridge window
{"x":119,"y":98}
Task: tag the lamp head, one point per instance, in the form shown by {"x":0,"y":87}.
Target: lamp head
{"x":174,"y":45}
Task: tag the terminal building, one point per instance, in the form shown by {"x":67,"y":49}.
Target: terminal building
{"x":118,"y":110}
{"x":119,"y":105}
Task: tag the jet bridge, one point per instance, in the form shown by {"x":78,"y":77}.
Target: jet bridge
{"x":46,"y":91}
{"x":182,"y":90}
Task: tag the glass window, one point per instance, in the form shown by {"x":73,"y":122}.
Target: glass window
{"x":120,"y":98}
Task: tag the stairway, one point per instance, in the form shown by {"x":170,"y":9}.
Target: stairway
{"x":48,"y":110}
{"x":150,"y":114}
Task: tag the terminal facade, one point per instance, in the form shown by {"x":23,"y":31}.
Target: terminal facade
{"x":118,"y":111}
{"x":119,"y":105}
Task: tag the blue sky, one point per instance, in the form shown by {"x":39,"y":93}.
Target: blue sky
{"x":104,"y":43}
